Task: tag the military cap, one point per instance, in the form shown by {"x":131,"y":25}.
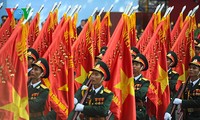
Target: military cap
{"x":102,"y":52}
{"x":32,"y":53}
{"x":103,"y":69}
{"x":197,"y":42}
{"x":141,"y":59}
{"x":195,"y":61}
{"x":43,"y":64}
{"x":134,"y":51}
{"x":172,"y":55}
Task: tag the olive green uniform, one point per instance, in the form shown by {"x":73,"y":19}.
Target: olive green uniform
{"x":191,"y":101}
{"x":96,"y":106}
{"x":37,"y":99}
{"x":173,"y":77}
{"x":141,"y":88}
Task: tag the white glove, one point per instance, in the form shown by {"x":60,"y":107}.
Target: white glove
{"x":79,"y":107}
{"x":177,"y":101}
{"x":75,"y":101}
{"x":84,"y":87}
{"x":167,"y":116}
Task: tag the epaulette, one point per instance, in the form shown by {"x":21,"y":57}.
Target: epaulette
{"x":144,"y":79}
{"x":107,"y":90}
{"x":174,"y":72}
{"x":43,"y":86}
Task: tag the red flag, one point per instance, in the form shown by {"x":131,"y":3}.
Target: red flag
{"x":147,"y":34}
{"x":104,"y":31}
{"x":83,"y":54}
{"x":177,"y":29}
{"x":33,"y":29}
{"x":184,"y":48}
{"x":60,"y":81}
{"x":158,"y":92}
{"x":119,"y":60}
{"x":73,"y":27}
{"x":132,"y":33}
{"x":6,"y":30}
{"x":44,"y":38}
{"x":13,"y":72}
{"x":96,"y":35}
{"x":58,"y":28}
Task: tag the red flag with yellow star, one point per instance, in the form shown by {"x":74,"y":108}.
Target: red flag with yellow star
{"x":13,"y":72}
{"x":119,"y":60}
{"x":6,"y":30}
{"x":83,"y":54}
{"x":184,"y":48}
{"x":33,"y":30}
{"x":61,"y":79}
{"x":44,"y":38}
{"x":158,"y":93}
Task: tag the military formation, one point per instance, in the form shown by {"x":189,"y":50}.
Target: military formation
{"x":92,"y":100}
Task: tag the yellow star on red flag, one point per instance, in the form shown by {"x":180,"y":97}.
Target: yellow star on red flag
{"x":125,"y":85}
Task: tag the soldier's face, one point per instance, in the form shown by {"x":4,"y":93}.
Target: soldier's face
{"x":96,"y":78}
{"x":197,"y":50}
{"x":36,"y":72}
{"x":194,"y":70}
{"x":169,"y":61}
{"x":137,"y":67}
{"x":30,"y":62}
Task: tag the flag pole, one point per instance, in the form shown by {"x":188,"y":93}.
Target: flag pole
{"x":16,"y":6}
{"x":1,"y":5}
{"x":101,"y":11}
{"x":79,"y":8}
{"x":74,"y":10}
{"x":68,"y":9}
{"x":95,"y":10}
{"x":129,"y":8}
{"x":111,"y":7}
{"x":29,"y":16}
{"x":194,"y":10}
{"x":133,"y":9}
{"x":28,"y":6}
{"x":59,"y":4}
{"x":54,"y":7}
{"x":161,"y":7}
{"x":183,"y":9}
{"x":166,"y":12}
{"x":157,"y":8}
{"x":41,"y":8}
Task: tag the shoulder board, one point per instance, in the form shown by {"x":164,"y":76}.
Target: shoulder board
{"x":43,"y":86}
{"x":174,"y":72}
{"x":107,"y":90}
{"x":145,"y":79}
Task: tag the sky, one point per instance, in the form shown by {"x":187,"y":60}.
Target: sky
{"x":87,"y":6}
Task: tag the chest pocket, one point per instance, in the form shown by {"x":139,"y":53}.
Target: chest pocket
{"x":138,"y":86}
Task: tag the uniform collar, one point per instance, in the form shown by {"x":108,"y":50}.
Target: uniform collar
{"x":194,"y":82}
{"x":97,"y":89}
{"x":137,"y":77}
{"x":29,"y":69}
{"x":35,"y":84}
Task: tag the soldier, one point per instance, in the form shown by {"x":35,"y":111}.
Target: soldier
{"x":197,"y":46}
{"x":98,"y":99}
{"x":172,"y":75}
{"x":32,"y":58}
{"x":37,"y":92}
{"x":141,"y":84}
{"x":191,"y":94}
